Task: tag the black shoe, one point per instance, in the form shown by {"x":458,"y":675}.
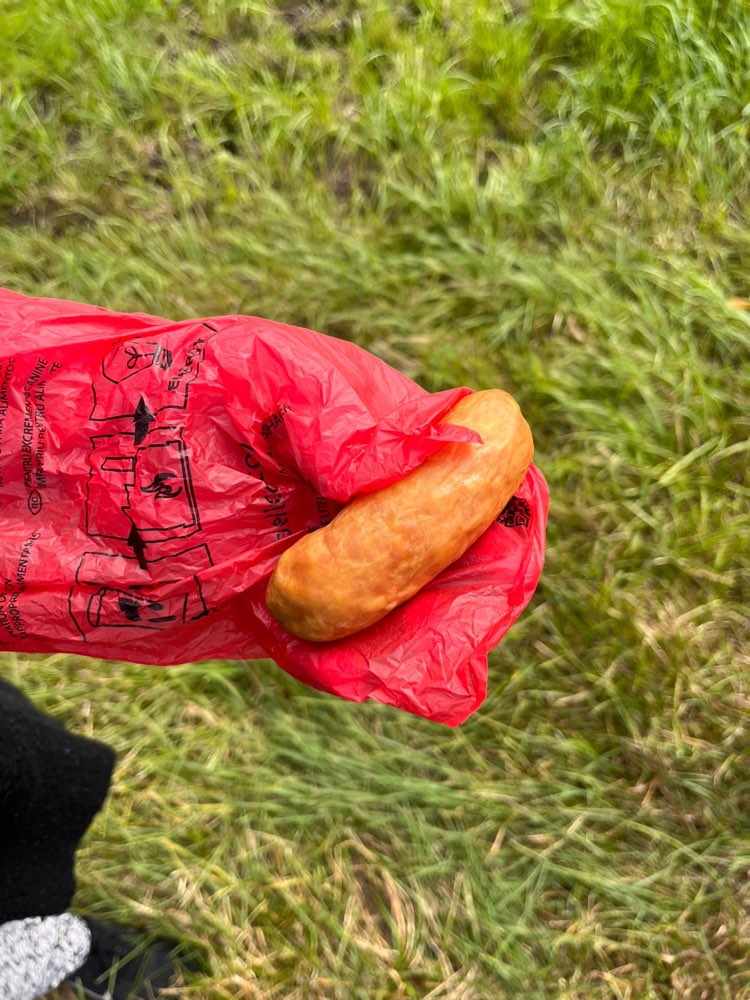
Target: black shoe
{"x":120,"y":967}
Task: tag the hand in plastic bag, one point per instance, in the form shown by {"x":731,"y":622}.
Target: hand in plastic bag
{"x":152,"y":472}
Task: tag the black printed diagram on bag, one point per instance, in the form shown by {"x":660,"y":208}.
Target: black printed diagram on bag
{"x":141,"y":510}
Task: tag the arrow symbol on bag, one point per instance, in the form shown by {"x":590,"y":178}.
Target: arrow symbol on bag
{"x":136,"y":543}
{"x":141,"y":420}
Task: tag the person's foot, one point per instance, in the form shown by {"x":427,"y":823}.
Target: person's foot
{"x":119,"y":967}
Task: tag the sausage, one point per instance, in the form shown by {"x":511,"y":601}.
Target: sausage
{"x":384,"y":546}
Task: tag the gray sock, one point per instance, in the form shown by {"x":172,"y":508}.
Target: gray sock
{"x":38,"y":953}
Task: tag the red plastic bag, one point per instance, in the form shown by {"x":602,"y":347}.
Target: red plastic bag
{"x":152,"y":472}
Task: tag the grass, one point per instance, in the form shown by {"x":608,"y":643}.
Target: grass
{"x":546,"y":195}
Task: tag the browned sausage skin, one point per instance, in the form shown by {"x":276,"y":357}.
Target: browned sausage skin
{"x":385,"y":546}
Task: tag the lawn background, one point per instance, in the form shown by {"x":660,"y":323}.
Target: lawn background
{"x":548,"y":196}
